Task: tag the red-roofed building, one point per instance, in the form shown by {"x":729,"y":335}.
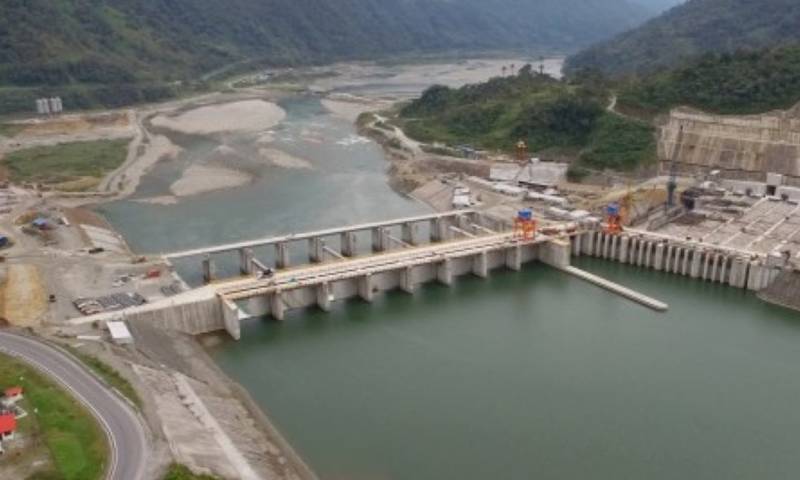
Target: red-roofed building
{"x":14,"y":392}
{"x":11,"y":396}
{"x":8,"y":425}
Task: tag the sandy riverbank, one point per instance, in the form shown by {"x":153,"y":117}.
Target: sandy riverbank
{"x":160,"y":200}
{"x":199,"y":179}
{"x":159,"y":148}
{"x":349,"y":107}
{"x":279,"y":158}
{"x":241,"y":116}
{"x":226,"y":169}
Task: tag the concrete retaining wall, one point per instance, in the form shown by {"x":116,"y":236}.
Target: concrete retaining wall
{"x":678,"y":257}
{"x":745,"y":147}
{"x":194,"y":318}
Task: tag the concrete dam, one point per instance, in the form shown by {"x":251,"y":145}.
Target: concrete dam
{"x":401,"y":255}
{"x":742,"y":147}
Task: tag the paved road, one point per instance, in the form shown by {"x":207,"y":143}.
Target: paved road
{"x":123,"y":428}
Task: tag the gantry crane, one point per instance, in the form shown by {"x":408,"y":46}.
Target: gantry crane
{"x":613,"y":219}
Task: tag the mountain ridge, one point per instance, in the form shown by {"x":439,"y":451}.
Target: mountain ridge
{"x":53,"y":42}
{"x":692,"y":29}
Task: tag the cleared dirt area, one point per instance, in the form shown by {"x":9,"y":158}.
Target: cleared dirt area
{"x":24,"y":298}
{"x":71,"y":124}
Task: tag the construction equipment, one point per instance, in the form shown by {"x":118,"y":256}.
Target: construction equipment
{"x":672,"y":183}
{"x":525,"y":225}
{"x":613,"y":219}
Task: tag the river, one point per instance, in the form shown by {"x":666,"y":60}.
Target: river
{"x":525,"y":375}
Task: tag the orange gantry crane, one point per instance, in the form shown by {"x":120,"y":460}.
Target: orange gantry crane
{"x":613,"y":219}
{"x":525,"y":225}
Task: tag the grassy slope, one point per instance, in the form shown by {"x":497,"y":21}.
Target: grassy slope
{"x":107,"y":373}
{"x":66,"y":163}
{"x":76,"y":443}
{"x":9,"y":130}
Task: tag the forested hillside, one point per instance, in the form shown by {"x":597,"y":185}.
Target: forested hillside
{"x":692,"y":29}
{"x":742,"y":82}
{"x":141,"y":46}
{"x":562,"y":117}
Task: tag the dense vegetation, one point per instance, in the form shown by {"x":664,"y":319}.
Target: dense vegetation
{"x":76,"y":444}
{"x":742,"y":82}
{"x":549,"y":114}
{"x":116,"y":52}
{"x":69,"y":166}
{"x":692,"y":29}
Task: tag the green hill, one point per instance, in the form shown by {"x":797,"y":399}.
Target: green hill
{"x":114,"y":52}
{"x":553,"y":116}
{"x":739,"y":83}
{"x":692,"y":29}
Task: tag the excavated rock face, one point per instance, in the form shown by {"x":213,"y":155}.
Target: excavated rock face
{"x":784,"y":290}
{"x":744,"y":147}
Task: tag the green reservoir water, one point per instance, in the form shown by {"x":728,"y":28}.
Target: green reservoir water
{"x":534,"y":375}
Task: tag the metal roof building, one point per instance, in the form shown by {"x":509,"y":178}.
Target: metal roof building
{"x":119,"y":333}
{"x":536,"y":173}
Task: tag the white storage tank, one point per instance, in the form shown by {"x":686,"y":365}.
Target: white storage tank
{"x":45,"y":106}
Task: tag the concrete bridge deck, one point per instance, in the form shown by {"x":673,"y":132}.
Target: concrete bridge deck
{"x":267,"y":241}
{"x":375,"y":263}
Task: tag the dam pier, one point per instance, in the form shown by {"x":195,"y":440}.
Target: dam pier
{"x":405,"y":253}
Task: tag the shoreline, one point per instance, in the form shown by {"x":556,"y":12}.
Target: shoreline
{"x":259,"y":414}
